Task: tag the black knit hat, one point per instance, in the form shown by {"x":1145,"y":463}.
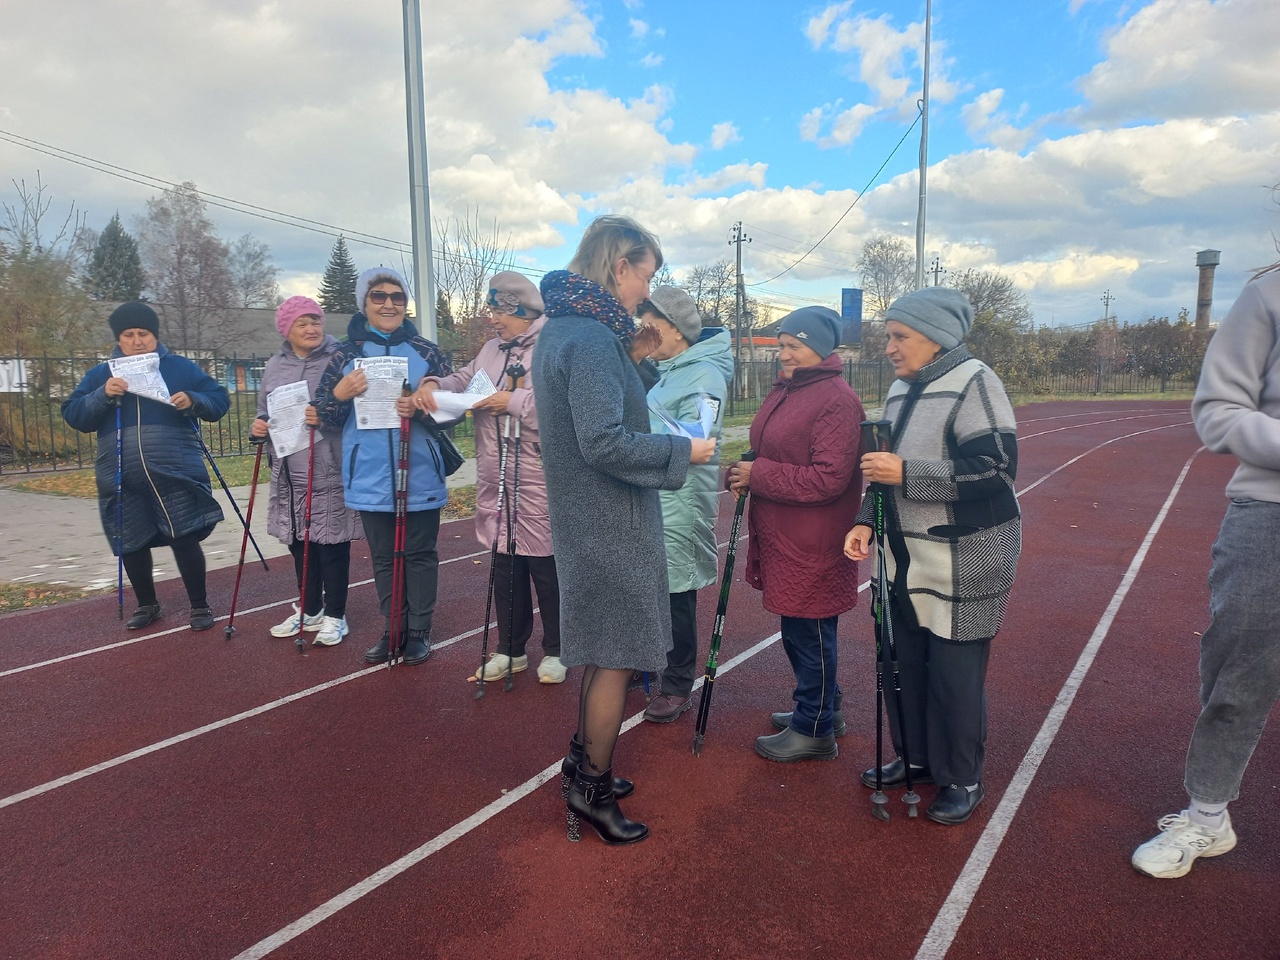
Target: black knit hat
{"x":128,"y":316}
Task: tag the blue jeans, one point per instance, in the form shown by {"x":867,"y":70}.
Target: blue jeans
{"x":811,"y":648}
{"x":1239,"y":653}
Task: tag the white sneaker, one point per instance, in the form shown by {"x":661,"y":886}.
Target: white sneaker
{"x":290,"y":627}
{"x":496,"y":668}
{"x":1171,"y":853}
{"x":551,"y":670}
{"x":332,"y":630}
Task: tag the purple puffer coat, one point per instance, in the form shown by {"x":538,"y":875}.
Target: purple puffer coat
{"x":533,"y":525}
{"x":331,"y":521}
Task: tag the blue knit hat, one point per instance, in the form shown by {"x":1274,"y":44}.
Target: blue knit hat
{"x":942,"y":314}
{"x":374,"y":276}
{"x":818,"y":328}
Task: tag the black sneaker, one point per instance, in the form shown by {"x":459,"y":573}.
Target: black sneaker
{"x":144,"y":616}
{"x":201,"y":618}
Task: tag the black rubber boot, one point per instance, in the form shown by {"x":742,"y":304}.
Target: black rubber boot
{"x":621,"y":788}
{"x":592,"y":799}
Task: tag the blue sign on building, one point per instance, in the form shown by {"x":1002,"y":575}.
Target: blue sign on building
{"x":851,"y":313}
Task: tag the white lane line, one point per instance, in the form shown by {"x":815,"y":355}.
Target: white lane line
{"x":1058,"y":469}
{"x":947,"y":923}
{"x":442,"y":840}
{"x":1104,"y":413}
{"x":1098,"y":423}
{"x":211,"y":727}
{"x":172,"y":630}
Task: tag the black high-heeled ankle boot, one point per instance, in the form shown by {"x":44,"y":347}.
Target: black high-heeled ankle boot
{"x":621,"y":788}
{"x":592,"y":799}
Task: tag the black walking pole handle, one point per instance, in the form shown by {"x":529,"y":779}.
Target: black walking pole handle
{"x":877,"y":436}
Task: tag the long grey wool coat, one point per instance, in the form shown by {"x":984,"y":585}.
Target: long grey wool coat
{"x":604,"y":470}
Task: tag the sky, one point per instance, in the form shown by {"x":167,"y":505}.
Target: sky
{"x":1085,"y":148}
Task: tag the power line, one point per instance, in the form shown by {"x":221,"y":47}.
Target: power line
{"x":873,"y":179}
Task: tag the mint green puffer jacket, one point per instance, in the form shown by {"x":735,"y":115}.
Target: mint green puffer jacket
{"x":689,"y":514}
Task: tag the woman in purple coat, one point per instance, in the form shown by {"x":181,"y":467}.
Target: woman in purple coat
{"x":805,"y":486}
{"x":516,"y":316}
{"x":304,"y":356}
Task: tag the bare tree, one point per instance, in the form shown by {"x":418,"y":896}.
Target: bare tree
{"x":187,"y":271}
{"x":994,"y":294}
{"x":712,"y":287}
{"x":468,"y":252}
{"x":253,"y":274}
{"x":887,"y":265}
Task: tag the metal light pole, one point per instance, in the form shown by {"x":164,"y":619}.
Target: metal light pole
{"x":924,"y":145}
{"x":424,"y":286}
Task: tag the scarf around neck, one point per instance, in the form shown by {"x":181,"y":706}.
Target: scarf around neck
{"x":567,"y":294}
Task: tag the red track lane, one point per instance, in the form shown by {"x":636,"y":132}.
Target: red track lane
{"x":208,"y":847}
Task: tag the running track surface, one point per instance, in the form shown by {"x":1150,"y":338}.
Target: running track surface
{"x":185,"y":795}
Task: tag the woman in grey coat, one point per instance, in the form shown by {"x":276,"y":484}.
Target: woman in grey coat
{"x":603,"y":471}
{"x":304,"y":356}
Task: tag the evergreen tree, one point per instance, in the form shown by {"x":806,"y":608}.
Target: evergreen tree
{"x":116,"y":270}
{"x":338,"y":288}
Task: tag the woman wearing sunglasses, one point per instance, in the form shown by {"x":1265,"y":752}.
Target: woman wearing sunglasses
{"x":370,"y":457}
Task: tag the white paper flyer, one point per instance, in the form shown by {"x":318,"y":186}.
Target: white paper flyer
{"x":287,"y":417}
{"x":376,"y":407}
{"x":142,"y":373}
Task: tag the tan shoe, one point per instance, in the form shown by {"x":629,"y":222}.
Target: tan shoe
{"x":496,"y":668}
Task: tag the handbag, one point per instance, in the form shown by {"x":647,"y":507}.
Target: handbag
{"x":449,"y":454}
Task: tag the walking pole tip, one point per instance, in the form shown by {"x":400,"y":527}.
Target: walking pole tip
{"x":697,"y":744}
{"x":911,"y":799}
{"x":879,"y":806}
{"x":229,"y":631}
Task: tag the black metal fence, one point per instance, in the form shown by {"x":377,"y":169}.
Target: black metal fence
{"x":35,"y":439}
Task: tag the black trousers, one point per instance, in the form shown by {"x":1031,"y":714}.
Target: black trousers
{"x":328,"y":576}
{"x":191,"y":566}
{"x":513,"y":602}
{"x":682,"y":658}
{"x":421,"y":564}
{"x":943,"y":696}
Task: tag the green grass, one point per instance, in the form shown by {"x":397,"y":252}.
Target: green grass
{"x":25,"y":596}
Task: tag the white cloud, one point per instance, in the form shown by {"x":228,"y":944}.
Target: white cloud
{"x":639,"y":29}
{"x":723,"y":134}
{"x":819,"y":27}
{"x":651,"y":60}
{"x":1186,"y":58}
{"x":986,"y":122}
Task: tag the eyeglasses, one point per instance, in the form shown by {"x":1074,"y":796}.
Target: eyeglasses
{"x":380,"y":297}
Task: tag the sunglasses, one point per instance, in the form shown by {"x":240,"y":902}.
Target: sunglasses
{"x":379,"y":297}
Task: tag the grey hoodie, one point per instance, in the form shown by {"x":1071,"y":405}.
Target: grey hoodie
{"x":1237,"y":403}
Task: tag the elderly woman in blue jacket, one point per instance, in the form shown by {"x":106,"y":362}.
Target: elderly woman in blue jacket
{"x":165,"y":497}
{"x":369,"y":456}
{"x":695,"y":368}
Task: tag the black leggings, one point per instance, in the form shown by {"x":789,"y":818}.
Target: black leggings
{"x":328,"y":576}
{"x":190,"y":560}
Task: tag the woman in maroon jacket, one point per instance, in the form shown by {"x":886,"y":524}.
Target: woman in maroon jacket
{"x":805,"y":487}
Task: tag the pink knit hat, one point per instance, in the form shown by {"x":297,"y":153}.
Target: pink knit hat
{"x":292,"y":309}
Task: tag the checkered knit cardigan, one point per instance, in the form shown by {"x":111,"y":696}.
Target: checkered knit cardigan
{"x":954,"y":527}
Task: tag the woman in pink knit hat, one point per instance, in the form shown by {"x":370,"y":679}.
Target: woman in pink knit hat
{"x":304,"y":356}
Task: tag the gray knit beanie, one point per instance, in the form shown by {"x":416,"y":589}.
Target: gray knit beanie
{"x":942,"y":314}
{"x":675,"y":305}
{"x":374,"y":276}
{"x":818,"y":328}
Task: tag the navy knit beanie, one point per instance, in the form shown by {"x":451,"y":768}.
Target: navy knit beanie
{"x":818,"y":328}
{"x":942,"y":314}
{"x":127,"y":316}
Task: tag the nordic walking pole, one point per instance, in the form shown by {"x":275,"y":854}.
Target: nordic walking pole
{"x":503,"y":442}
{"x":227,"y":490}
{"x":717,"y":630}
{"x":396,"y":639}
{"x":306,"y":536}
{"x":876,"y":436}
{"x":230,"y":629}
{"x":119,"y":514}
{"x":515,"y":372}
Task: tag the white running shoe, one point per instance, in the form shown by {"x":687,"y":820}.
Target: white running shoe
{"x":496,"y":668}
{"x":1179,"y":843}
{"x":290,"y":627}
{"x":332,"y":630}
{"x":551,"y":670}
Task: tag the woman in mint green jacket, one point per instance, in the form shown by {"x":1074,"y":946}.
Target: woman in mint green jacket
{"x":695,"y":367}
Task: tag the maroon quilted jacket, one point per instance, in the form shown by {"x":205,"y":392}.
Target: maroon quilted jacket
{"x":806,"y":488}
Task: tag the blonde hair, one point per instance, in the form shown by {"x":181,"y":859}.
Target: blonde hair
{"x":607,"y":240}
